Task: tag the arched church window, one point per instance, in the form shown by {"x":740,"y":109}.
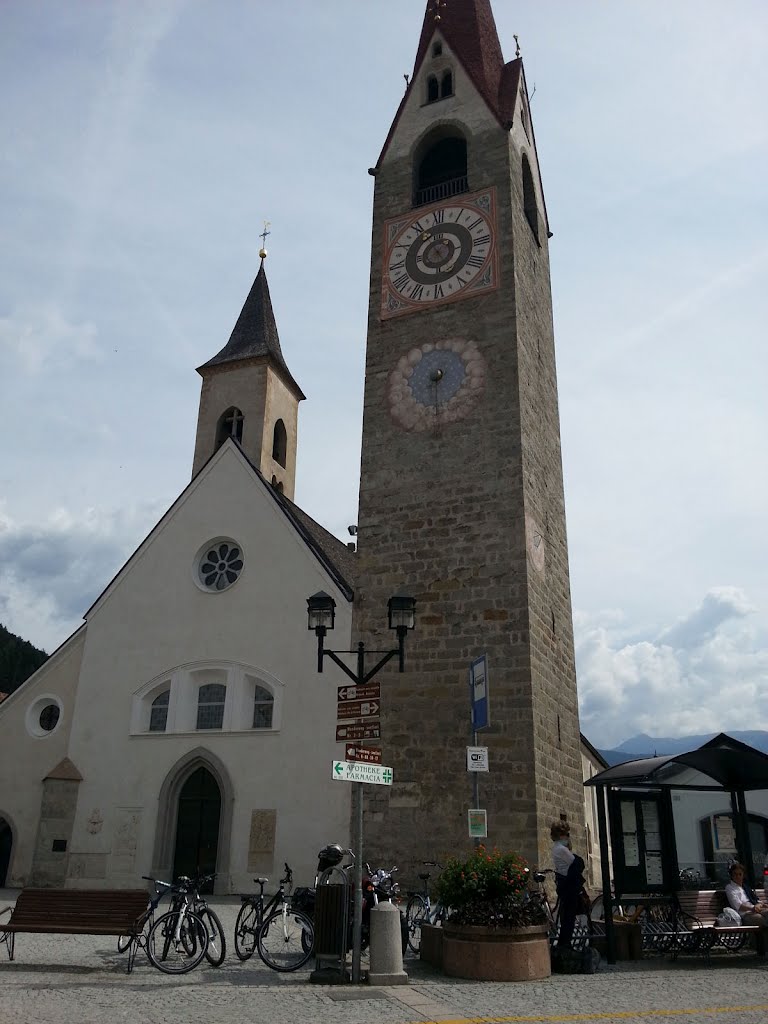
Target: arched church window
{"x":279,"y":443}
{"x":263,"y":704}
{"x":442,"y":170}
{"x":210,"y":706}
{"x":230,"y":425}
{"x":529,"y":198}
{"x":437,"y":49}
{"x":433,"y":89}
{"x":158,"y":715}
{"x":446,"y":86}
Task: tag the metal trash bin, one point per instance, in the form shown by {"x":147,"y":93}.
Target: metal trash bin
{"x":332,"y":930}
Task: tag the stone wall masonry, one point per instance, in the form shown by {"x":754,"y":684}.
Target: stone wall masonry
{"x":443,"y":515}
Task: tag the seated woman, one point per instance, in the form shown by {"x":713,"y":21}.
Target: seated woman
{"x":744,"y":900}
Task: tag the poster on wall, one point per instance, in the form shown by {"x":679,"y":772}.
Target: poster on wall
{"x":725,"y":834}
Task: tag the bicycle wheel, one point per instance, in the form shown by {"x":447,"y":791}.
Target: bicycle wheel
{"x":246,"y":929}
{"x":177,"y":942}
{"x":283,"y":940}
{"x":597,"y":908}
{"x":216,"y":949}
{"x":416,"y":914}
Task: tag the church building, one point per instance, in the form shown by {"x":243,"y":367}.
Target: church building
{"x":184,"y":725}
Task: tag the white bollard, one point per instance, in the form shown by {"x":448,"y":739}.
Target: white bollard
{"x":386,"y":965}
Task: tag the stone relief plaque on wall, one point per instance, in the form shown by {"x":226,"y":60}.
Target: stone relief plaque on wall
{"x":125,"y":839}
{"x":261,"y":842}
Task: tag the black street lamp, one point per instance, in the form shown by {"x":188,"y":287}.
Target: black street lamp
{"x":321,"y":615}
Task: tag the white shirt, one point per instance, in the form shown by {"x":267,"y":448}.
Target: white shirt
{"x":737,"y":897}
{"x":562,"y":858}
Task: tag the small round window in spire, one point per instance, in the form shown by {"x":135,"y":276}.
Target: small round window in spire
{"x":219,"y":565}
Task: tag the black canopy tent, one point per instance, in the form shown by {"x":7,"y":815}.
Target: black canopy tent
{"x":723,"y":764}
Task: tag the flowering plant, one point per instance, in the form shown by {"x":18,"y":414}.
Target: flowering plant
{"x":489,"y":888}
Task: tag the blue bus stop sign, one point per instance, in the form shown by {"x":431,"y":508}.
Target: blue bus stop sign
{"x":478,"y":690}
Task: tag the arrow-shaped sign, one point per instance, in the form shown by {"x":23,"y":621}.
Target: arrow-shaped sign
{"x":370,"y":691}
{"x":338,"y":767}
{"x":357,"y":709}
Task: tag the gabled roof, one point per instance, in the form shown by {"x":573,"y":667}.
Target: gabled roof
{"x":324,"y":552}
{"x":721,"y":764}
{"x":255,"y":334}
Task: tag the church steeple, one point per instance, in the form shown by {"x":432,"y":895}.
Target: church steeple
{"x":469,"y":29}
{"x":249,"y":394}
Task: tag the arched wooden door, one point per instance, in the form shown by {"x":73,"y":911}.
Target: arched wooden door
{"x":6,"y":842}
{"x":197,"y":826}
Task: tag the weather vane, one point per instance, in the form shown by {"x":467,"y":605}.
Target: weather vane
{"x":517,"y":45}
{"x":263,"y":237}
{"x":439,"y":6}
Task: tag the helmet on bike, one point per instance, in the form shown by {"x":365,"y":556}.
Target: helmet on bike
{"x":329,"y":857}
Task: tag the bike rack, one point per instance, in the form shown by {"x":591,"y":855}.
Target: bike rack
{"x":332,"y":931}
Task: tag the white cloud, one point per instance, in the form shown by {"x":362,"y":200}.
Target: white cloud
{"x":51,"y":573}
{"x":42,"y":340}
{"x":706,"y":673}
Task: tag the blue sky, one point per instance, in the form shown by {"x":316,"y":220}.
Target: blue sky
{"x":146,"y":142}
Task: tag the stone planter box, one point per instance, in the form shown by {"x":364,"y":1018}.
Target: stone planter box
{"x":496,"y":954}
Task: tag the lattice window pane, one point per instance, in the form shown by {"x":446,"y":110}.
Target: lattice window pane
{"x":158,"y":717}
{"x":210,"y":706}
{"x":263,"y":703}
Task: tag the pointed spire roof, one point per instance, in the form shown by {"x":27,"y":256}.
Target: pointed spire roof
{"x":469,"y":28}
{"x":255,"y":334}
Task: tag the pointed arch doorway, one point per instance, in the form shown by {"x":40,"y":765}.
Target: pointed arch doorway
{"x":197,"y":826}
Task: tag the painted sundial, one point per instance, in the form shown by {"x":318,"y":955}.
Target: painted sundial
{"x":436,"y":383}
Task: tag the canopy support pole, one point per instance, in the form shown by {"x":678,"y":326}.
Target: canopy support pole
{"x":605,"y":870}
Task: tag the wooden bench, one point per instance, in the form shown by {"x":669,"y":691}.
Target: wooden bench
{"x":76,"y":912}
{"x":699,"y":931}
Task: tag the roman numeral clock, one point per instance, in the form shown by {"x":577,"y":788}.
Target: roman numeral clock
{"x":447,"y":252}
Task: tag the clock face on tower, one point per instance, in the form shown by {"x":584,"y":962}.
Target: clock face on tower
{"x":439,"y":253}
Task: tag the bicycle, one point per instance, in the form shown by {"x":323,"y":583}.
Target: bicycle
{"x":582,"y":932}
{"x":178,"y":940}
{"x":284,"y":937}
{"x":421,"y":910}
{"x":148,"y":918}
{"x":216,"y":949}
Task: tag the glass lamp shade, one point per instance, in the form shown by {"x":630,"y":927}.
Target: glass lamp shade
{"x":402,"y":611}
{"x":321,"y":611}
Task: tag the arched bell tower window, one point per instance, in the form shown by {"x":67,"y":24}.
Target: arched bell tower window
{"x":446,"y":85}
{"x":441,"y":171}
{"x":433,"y":89}
{"x":230,"y":425}
{"x":437,"y":49}
{"x":529,"y":198}
{"x":279,"y":443}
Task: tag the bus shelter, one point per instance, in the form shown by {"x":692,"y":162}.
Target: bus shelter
{"x":635,"y":809}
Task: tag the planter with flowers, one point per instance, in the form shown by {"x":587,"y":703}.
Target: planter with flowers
{"x":495,"y":931}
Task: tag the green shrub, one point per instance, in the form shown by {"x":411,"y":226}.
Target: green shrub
{"x":489,"y":888}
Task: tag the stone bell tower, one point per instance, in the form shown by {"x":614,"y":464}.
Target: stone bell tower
{"x":248,"y":393}
{"x":461,"y":492}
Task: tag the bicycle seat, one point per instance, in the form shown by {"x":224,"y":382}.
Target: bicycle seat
{"x":261,"y":881}
{"x":424,"y":876}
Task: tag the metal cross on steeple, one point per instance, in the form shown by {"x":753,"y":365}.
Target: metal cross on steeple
{"x":439,"y":5}
{"x":517,"y":45}
{"x":263,"y":237}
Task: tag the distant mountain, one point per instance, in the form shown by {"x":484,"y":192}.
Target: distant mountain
{"x":652,"y":746}
{"x":18,"y":660}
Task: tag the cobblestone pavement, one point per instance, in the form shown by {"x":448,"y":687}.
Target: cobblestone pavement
{"x":63,"y":979}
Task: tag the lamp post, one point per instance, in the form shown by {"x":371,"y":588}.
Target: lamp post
{"x":321,"y":616}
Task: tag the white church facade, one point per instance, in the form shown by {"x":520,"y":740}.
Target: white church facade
{"x":185,"y":725}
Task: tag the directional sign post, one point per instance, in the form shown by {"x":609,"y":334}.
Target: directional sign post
{"x":353,"y":771}
{"x":357,"y":719}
